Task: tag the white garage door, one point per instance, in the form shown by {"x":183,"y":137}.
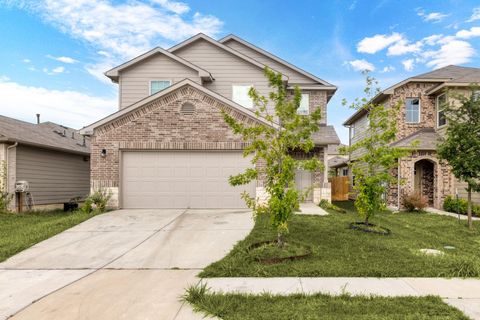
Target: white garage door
{"x":176,"y":179}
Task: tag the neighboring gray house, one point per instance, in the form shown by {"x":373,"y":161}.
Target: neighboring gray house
{"x":168,"y":146}
{"x":421,"y":118}
{"x":53,"y":159}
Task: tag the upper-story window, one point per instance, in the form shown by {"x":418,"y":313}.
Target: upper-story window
{"x":476,"y":95}
{"x":240,"y":95}
{"x":159,"y":85}
{"x":441,"y":103}
{"x":304,"y":104}
{"x":412,"y":110}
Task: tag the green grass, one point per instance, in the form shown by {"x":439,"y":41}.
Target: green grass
{"x":342,"y":252}
{"x":19,"y":231}
{"x":319,"y":306}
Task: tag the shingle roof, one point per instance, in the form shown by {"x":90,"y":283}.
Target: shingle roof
{"x":453,"y":73}
{"x":325,"y":135}
{"x":427,"y":140}
{"x":337,"y":162}
{"x":46,"y":134}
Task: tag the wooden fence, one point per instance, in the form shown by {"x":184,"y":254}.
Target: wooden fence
{"x":340,"y":187}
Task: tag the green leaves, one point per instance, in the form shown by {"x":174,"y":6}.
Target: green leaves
{"x":461,"y":146}
{"x":272,"y":147}
{"x":372,"y":167}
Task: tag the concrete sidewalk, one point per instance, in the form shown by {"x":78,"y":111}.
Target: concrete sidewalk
{"x":450,"y":214}
{"x":461,"y":293}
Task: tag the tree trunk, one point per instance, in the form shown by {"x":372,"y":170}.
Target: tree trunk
{"x":280,"y":242}
{"x":469,"y":207}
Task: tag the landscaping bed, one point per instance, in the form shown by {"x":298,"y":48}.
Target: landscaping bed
{"x":19,"y":231}
{"x":319,"y":306}
{"x":339,"y":251}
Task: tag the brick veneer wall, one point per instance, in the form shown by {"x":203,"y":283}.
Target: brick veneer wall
{"x":443,"y":182}
{"x":159,"y":125}
{"x":427,"y":107}
{"x":317,"y":99}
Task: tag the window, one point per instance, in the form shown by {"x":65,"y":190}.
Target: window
{"x":304,"y":104}
{"x":412,"y":110}
{"x":441,"y":103}
{"x":240,"y":96}
{"x":159,"y":85}
{"x":345,"y":172}
{"x":352,"y":129}
{"x":476,"y":95}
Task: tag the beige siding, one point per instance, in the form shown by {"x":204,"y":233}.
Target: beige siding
{"x":134,"y":83}
{"x":54,"y":177}
{"x":294,"y":76}
{"x":462,"y":192}
{"x":226,"y":68}
{"x":358,"y":133}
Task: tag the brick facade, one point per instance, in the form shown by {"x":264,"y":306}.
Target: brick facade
{"x":317,"y":99}
{"x":437,"y":183}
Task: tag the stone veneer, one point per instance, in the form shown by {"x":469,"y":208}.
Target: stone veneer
{"x":159,"y":125}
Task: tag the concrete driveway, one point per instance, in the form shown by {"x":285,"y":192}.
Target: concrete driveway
{"x":126,"y":264}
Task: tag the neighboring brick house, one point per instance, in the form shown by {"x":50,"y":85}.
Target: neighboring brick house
{"x":168,"y":146}
{"x":420,"y":119}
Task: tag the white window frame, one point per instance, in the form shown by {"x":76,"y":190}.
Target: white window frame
{"x":302,"y":111}
{"x":438,"y":110}
{"x":476,"y":95}
{"x":419,"y":110}
{"x":150,"y":85}
{"x":243,"y":85}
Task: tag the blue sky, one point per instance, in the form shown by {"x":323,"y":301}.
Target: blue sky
{"x":54,"y":52}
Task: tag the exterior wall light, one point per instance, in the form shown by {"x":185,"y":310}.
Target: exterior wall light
{"x":103,"y":153}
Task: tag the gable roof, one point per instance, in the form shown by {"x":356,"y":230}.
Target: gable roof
{"x":427,"y":139}
{"x":45,"y":135}
{"x":337,"y":162}
{"x":277,"y":59}
{"x":88,"y":130}
{"x":113,"y":73}
{"x":223,"y":47}
{"x":447,"y":76}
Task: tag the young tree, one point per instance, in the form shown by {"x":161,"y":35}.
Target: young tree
{"x":461,"y":146}
{"x":271,"y":149}
{"x":372,"y":168}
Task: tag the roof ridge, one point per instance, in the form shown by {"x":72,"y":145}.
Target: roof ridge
{"x":275,"y":57}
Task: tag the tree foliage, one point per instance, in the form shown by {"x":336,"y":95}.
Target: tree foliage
{"x":372,"y":168}
{"x":270,"y":143}
{"x":461,"y":146}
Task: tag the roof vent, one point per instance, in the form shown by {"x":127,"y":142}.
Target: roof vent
{"x":187,"y":108}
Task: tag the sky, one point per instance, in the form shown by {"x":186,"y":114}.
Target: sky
{"x":54,"y":52}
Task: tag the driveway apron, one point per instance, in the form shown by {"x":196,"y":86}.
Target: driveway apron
{"x":125,"y":264}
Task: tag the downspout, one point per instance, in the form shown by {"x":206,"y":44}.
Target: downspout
{"x":6,"y":163}
{"x":398,"y":185}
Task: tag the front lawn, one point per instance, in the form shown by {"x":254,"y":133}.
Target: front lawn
{"x":19,"y":231}
{"x":318,"y":306}
{"x":338,"y":251}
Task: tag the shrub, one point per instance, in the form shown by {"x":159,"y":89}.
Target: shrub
{"x":97,"y":201}
{"x":452,"y":204}
{"x":324,"y":204}
{"x":5,"y":197}
{"x":415,"y":201}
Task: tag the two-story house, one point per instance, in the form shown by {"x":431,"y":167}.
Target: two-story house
{"x":168,"y":145}
{"x":421,"y":119}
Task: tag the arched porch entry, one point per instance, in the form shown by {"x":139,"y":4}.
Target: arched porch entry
{"x":424,"y":179}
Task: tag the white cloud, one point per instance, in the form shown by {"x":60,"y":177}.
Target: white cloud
{"x":387,"y":69}
{"x":63,"y":59}
{"x":26,"y":60}
{"x":408,"y":64}
{"x":403,"y":47}
{"x":361,"y":65}
{"x":123,"y":30}
{"x":467,"y":34}
{"x":453,"y":52}
{"x":58,"y":70}
{"x":475,"y":15}
{"x":69,"y":108}
{"x":177,"y":7}
{"x":377,"y":42}
{"x":432,"y":16}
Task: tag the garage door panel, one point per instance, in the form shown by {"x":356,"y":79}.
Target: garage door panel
{"x":175,"y":179}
